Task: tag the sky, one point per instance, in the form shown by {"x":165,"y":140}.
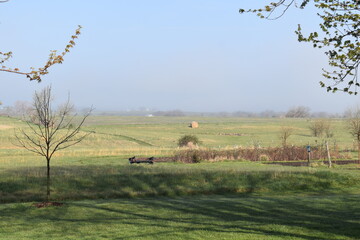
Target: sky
{"x":200,"y":56}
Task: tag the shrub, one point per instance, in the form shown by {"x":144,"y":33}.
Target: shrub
{"x":289,"y":153}
{"x":188,"y":139}
{"x":285,"y":133}
{"x":196,"y":157}
{"x":264,"y":157}
{"x":321,"y":126}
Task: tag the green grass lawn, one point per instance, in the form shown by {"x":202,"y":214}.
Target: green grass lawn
{"x":124,"y":180}
{"x":196,"y":217}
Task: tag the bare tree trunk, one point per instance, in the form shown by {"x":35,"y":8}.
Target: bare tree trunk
{"x":48,"y":181}
{"x":48,"y":128}
{"x":328,"y":153}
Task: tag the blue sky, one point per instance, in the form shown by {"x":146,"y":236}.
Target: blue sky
{"x":182,"y":54}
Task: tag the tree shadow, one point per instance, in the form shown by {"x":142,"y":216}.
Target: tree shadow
{"x":109,"y":182}
{"x":328,"y":217}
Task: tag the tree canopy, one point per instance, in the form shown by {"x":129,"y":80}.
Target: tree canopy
{"x":338,"y":34}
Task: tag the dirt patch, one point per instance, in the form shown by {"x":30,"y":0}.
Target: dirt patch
{"x":3,"y":127}
{"x":234,"y":134}
{"x":47,"y":204}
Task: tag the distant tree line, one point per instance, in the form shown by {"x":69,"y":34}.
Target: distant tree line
{"x":22,"y":107}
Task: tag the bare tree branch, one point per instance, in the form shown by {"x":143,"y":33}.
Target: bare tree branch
{"x":50,"y":131}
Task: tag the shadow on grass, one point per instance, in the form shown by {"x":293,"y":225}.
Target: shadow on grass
{"x":339,"y":216}
{"x":331,"y":217}
{"x":326,"y":217}
{"x":108,"y":182}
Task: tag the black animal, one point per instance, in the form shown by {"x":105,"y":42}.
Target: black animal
{"x":134,"y":160}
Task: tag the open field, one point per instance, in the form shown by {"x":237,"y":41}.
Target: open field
{"x":124,"y":137}
{"x":106,"y":198}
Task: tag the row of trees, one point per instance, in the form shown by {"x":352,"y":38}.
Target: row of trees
{"x":322,"y":128}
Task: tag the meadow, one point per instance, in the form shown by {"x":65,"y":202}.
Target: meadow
{"x":106,"y":198}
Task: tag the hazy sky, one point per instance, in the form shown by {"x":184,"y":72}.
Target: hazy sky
{"x":181,"y":54}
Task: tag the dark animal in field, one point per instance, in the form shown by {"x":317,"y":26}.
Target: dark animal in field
{"x":134,"y":160}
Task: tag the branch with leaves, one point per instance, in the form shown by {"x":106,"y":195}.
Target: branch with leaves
{"x":54,"y":58}
{"x":338,"y":34}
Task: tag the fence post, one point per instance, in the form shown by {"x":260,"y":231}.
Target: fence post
{"x":328,"y":153}
{"x":308,"y":148}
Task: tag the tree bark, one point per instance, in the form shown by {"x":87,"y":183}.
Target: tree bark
{"x":48,"y":181}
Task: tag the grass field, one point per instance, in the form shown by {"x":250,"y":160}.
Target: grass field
{"x":106,"y":198}
{"x":196,"y":217}
{"x":148,"y":136}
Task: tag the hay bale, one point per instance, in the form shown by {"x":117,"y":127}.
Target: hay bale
{"x":194,"y":124}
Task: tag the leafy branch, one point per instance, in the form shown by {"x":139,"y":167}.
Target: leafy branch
{"x":53,"y":59}
{"x":338,"y":35}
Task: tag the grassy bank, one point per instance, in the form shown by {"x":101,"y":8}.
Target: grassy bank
{"x":119,"y":181}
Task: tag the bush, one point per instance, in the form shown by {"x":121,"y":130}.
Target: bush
{"x":196,"y":158}
{"x":321,"y":126}
{"x":289,"y":153}
{"x":188,"y":139}
{"x":264,"y":157}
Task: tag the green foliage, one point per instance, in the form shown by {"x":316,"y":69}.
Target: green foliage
{"x":338,"y":34}
{"x":187,"y":139}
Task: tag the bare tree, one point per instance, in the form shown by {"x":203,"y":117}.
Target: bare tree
{"x":320,"y":127}
{"x":353,"y":124}
{"x":298,"y":112}
{"x":50,"y":131}
{"x":20,"y":109}
{"x":285,"y":133}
